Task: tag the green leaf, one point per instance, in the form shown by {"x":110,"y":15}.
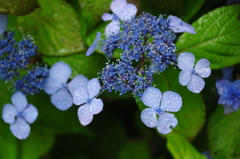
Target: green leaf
{"x":224,"y":134}
{"x":37,"y":144}
{"x":88,"y":66}
{"x":92,"y":10}
{"x":192,"y":114}
{"x":18,"y":7}
{"x":56,"y":28}
{"x":180,"y":148}
{"x":136,"y":149}
{"x":217,"y":37}
{"x":184,"y":9}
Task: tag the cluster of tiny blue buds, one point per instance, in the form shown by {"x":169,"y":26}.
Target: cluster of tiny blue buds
{"x":146,"y":38}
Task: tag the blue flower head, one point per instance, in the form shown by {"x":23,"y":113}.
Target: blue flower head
{"x":86,"y":95}
{"x":191,"y":76}
{"x":122,"y":11}
{"x":56,"y":85}
{"x":229,"y":95}
{"x":178,"y":26}
{"x":3,"y":23}
{"x":159,"y":103}
{"x":19,"y":115}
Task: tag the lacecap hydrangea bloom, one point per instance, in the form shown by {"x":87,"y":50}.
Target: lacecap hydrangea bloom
{"x":229,"y":95}
{"x":190,"y":75}
{"x":19,"y":115}
{"x":86,"y":95}
{"x":56,"y":85}
{"x":121,"y":11}
{"x":159,"y":103}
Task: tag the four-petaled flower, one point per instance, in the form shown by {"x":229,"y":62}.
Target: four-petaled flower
{"x":122,"y":11}
{"x":190,"y":76}
{"x":229,"y":95}
{"x":19,"y":115}
{"x":56,"y":85}
{"x":158,"y":103}
{"x":178,"y":26}
{"x":86,"y":95}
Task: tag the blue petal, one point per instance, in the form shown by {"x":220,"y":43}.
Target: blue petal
{"x":93,"y":87}
{"x":9,"y":113}
{"x":128,"y":12}
{"x":184,"y":77}
{"x":171,"y":101}
{"x":50,"y":85}
{"x":3,"y":23}
{"x":60,"y":71}
{"x":20,"y":129}
{"x":92,"y":48}
{"x":19,"y":101}
{"x":223,"y":86}
{"x":186,"y":61}
{"x":152,"y":97}
{"x":112,"y":28}
{"x":165,"y":121}
{"x":85,"y":116}
{"x":30,"y":113}
{"x":178,"y":26}
{"x":236,"y":86}
{"x":78,"y":80}
{"x":149,"y":118}
{"x":202,"y":68}
{"x":62,"y":99}
{"x":96,"y":106}
{"x":107,"y":17}
{"x":117,"y":6}
{"x":196,"y":84}
{"x":80,"y":95}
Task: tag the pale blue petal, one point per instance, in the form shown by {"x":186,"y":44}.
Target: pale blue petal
{"x":186,"y":61}
{"x":20,"y":129}
{"x":171,"y":102}
{"x":223,"y":86}
{"x":184,"y":77}
{"x":85,"y":116}
{"x":152,"y":97}
{"x":202,"y":68}
{"x":128,"y":12}
{"x":117,"y":6}
{"x":228,"y":109}
{"x":60,"y":71}
{"x":62,"y":99}
{"x":93,"y":47}
{"x":30,"y":113}
{"x":112,"y":28}
{"x":107,"y":17}
{"x":96,"y":106}
{"x":3,"y":23}
{"x":165,"y":122}
{"x":174,"y":21}
{"x":50,"y":85}
{"x":178,"y":26}
{"x":19,"y":101}
{"x":9,"y":113}
{"x":80,"y":95}
{"x":79,"y":80}
{"x":149,"y":118}
{"x":93,"y":87}
{"x":196,"y":84}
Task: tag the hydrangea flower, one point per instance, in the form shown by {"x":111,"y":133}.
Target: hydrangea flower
{"x":56,"y":85}
{"x":3,"y":23}
{"x":159,"y":103}
{"x":178,"y":26}
{"x":229,"y":95}
{"x":19,"y":115}
{"x":122,"y":11}
{"x":92,"y":48}
{"x":86,"y":95}
{"x":192,"y":76}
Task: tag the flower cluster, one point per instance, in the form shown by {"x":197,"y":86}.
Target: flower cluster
{"x":229,"y":95}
